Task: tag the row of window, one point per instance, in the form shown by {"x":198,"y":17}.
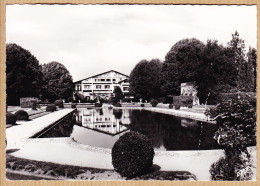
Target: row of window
{"x":87,"y":87}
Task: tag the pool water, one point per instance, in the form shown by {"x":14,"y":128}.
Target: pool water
{"x":103,"y":127}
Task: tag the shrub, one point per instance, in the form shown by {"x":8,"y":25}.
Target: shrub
{"x":34,"y":104}
{"x":177,"y":107}
{"x":128,"y":100}
{"x":132,"y":154}
{"x":190,"y":106}
{"x":59,"y":103}
{"x":170,"y":106}
{"x":51,"y":108}
{"x":73,"y":106}
{"x":10,"y":118}
{"x":235,"y":167}
{"x":22,"y":115}
{"x":142,"y":105}
{"x":98,"y":105}
{"x":236,"y":121}
{"x":118,"y":105}
{"x":154,"y":102}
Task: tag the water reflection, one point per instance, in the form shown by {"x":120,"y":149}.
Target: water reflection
{"x":104,"y":120}
{"x":102,"y":127}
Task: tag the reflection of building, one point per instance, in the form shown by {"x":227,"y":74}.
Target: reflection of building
{"x":189,"y":89}
{"x":104,"y":120}
{"x":102,"y":85}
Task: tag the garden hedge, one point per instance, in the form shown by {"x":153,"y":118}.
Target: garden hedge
{"x":132,"y":154}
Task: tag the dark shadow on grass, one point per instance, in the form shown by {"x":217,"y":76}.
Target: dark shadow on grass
{"x":154,"y":173}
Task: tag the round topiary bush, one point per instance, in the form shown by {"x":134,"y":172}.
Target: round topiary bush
{"x":22,"y":115}
{"x":154,"y":103}
{"x":51,"y":108}
{"x":170,"y":106}
{"x":59,"y":103}
{"x":132,"y":154}
{"x":73,"y":106}
{"x":177,"y":107}
{"x":10,"y":118}
{"x":34,"y":105}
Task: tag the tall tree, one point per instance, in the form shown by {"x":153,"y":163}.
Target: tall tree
{"x":238,"y":56}
{"x":57,"y":81}
{"x":181,"y":65}
{"x":144,"y":79}
{"x":251,"y":69}
{"x":23,"y":74}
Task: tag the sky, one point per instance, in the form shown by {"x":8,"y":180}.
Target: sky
{"x":91,"y":39}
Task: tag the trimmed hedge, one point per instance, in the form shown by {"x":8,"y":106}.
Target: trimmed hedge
{"x":132,"y":154}
{"x":10,"y":118}
{"x":142,"y":105}
{"x":183,"y":100}
{"x":154,"y":103}
{"x":59,"y":103}
{"x":118,"y":105}
{"x":98,"y":105}
{"x":22,"y":115}
{"x":51,"y":108}
{"x":170,"y":106}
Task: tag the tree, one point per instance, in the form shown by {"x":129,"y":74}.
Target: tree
{"x":181,"y":65}
{"x":215,"y":74}
{"x":251,"y":69}
{"x":238,"y":57}
{"x":144,"y":79}
{"x":57,"y":82}
{"x":23,"y":75}
{"x":118,"y":95}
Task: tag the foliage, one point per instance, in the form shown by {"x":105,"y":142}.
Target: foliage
{"x":51,"y":108}
{"x":132,"y":154}
{"x":177,"y":107}
{"x":23,"y":74}
{"x":73,"y":106}
{"x":236,"y":120}
{"x":34,"y":105}
{"x":118,"y":113}
{"x":118,"y":95}
{"x":118,"y":105}
{"x":154,"y":102}
{"x":170,"y":106}
{"x":10,"y":118}
{"x":144,"y":79}
{"x":21,"y":115}
{"x":142,"y":105}
{"x":128,"y":100}
{"x":59,"y":103}
{"x":57,"y":82}
{"x":238,"y":57}
{"x":182,"y":100}
{"x":235,"y":167}
{"x":251,"y":69}
{"x":98,"y":105}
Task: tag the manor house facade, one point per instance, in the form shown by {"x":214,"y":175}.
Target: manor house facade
{"x":102,"y":85}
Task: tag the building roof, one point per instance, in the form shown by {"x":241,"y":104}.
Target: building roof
{"x":101,"y":74}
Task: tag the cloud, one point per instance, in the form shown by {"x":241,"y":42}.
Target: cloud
{"x":90,"y":39}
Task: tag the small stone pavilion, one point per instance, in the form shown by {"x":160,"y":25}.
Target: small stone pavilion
{"x":189,"y":89}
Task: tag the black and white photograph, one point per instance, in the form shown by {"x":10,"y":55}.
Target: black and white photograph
{"x":131,"y":92}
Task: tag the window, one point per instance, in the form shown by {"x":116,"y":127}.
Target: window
{"x":107,"y":86}
{"x":98,"y":86}
{"x":102,"y":80}
{"x":125,"y":88}
{"x":108,"y":80}
{"x":114,"y":79}
{"x":78,"y":87}
{"x":86,"y":87}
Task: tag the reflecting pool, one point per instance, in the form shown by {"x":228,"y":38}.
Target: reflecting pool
{"x":102,"y":127}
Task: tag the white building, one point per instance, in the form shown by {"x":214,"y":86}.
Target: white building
{"x":102,"y":85}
